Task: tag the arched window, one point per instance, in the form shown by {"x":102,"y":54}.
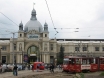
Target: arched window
{"x":32,"y":50}
{"x":45,"y":35}
{"x":20,"y":35}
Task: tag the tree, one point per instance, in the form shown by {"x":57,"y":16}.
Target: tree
{"x":60,"y":55}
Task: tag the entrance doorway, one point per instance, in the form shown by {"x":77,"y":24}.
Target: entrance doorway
{"x":33,"y":53}
{"x":51,"y":59}
{"x":3,"y":59}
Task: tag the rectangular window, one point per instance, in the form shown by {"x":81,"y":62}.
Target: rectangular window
{"x":45,"y":35}
{"x":102,"y":48}
{"x":3,"y":59}
{"x":14,"y":46}
{"x":96,"y":48}
{"x":84,"y":48}
{"x":4,"y":48}
{"x":76,"y":48}
{"x":51,"y":46}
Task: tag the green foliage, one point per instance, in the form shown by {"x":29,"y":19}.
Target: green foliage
{"x":60,"y":56}
{"x":102,"y":74}
{"x":82,"y":75}
{"x":60,"y":61}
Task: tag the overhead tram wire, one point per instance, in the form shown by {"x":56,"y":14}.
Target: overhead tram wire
{"x":51,"y":16}
{"x":64,"y":28}
{"x":9,"y":19}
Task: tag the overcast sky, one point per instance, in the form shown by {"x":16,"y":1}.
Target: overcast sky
{"x":87,"y":15}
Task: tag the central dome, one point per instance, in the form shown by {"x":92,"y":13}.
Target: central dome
{"x":33,"y":24}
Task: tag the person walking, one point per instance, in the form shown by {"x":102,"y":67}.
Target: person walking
{"x":15,"y":73}
{"x":60,"y":66}
{"x":33,"y":68}
{"x":52,"y":68}
{"x":38,"y":67}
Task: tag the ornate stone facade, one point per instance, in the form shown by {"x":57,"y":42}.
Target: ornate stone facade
{"x":34,"y":41}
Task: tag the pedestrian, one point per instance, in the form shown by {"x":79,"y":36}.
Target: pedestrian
{"x":29,"y":67}
{"x":33,"y":68}
{"x":38,"y":65}
{"x":52,"y":68}
{"x":15,"y":71}
{"x":60,"y":66}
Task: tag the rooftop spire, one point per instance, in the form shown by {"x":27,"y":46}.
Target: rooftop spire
{"x":45,"y":24}
{"x":21,"y":26}
{"x":33,"y":13}
{"x":45,"y":27}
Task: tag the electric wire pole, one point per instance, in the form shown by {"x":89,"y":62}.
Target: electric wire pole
{"x":13,"y":48}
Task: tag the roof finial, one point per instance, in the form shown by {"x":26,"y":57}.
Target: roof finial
{"x":21,"y":21}
{"x":33,"y":5}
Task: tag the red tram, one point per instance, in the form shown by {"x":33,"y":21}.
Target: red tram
{"x":80,"y":64}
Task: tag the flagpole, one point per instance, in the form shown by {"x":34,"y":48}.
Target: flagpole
{"x":33,"y":5}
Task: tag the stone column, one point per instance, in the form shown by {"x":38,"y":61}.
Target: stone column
{"x":48,"y":58}
{"x":18,"y":58}
{"x":40,"y":58}
{"x":44,"y":59}
{"x":11,"y":58}
{"x":21,"y":58}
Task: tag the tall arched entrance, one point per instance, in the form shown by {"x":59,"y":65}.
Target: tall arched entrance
{"x":33,"y":54}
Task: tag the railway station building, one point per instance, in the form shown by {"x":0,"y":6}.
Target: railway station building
{"x":33,"y":44}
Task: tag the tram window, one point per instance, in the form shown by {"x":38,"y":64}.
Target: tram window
{"x":84,"y":61}
{"x":93,"y":61}
{"x":88,"y":61}
{"x":78,"y":61}
{"x":65,"y":61}
{"x":96,"y":61}
{"x":101,"y":61}
{"x":73,"y":61}
{"x":70,"y":61}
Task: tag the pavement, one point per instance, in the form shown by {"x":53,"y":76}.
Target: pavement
{"x":25,"y":73}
